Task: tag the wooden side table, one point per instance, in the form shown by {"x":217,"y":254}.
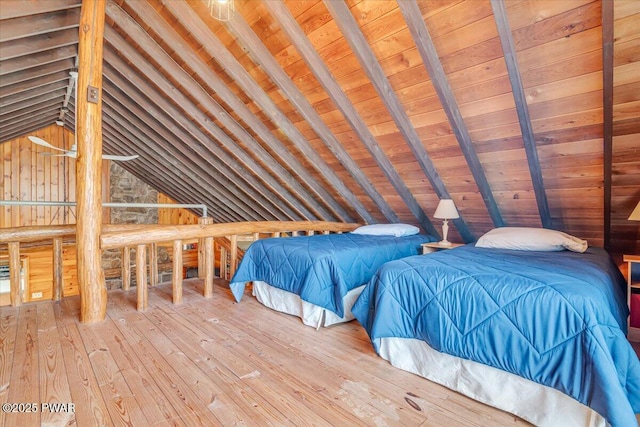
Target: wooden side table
{"x":632,"y":283}
{"x":428,"y":248}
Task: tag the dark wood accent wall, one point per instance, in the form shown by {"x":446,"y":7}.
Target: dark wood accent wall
{"x":625,"y":168}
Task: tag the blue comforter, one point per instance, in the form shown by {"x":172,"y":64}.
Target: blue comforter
{"x":321,"y":269}
{"x":556,"y":318}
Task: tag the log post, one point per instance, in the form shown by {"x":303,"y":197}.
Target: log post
{"x":204,"y":221}
{"x":208,"y":267}
{"x":14,"y":274}
{"x":126,"y":268}
{"x":141,"y":277}
{"x":93,"y":293}
{"x":57,"y":269}
{"x":177,"y":272}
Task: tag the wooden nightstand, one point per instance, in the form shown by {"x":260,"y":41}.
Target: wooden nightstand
{"x":633,"y":282}
{"x":428,"y":248}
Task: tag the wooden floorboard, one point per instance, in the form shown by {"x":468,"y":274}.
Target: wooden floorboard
{"x":210,"y":362}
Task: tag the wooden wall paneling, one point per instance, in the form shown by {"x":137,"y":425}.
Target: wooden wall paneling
{"x":26,"y":185}
{"x":342,"y":15}
{"x":260,"y":53}
{"x":509,"y":50}
{"x":625,"y":181}
{"x":422,"y":38}
{"x":210,"y":43}
{"x":607,"y":106}
{"x":174,"y":216}
{"x":327,"y":80}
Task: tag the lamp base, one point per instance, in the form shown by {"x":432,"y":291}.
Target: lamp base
{"x":444,"y":243}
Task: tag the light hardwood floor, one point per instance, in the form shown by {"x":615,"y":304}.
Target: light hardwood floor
{"x":210,"y":362}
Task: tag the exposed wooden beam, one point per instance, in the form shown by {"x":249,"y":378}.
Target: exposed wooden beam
{"x":165,"y":166}
{"x":35,"y":92}
{"x":33,"y":83}
{"x":41,"y":123}
{"x":508,"y":47}
{"x":431,"y":61}
{"x":17,"y":129}
{"x":193,"y":165}
{"x":37,"y":59}
{"x":607,"y":111}
{"x":325,"y":78}
{"x":349,"y":27}
{"x":40,"y":43}
{"x":93,"y":294}
{"x":261,"y":55}
{"x":209,"y":158}
{"x":202,"y":144}
{"x":32,"y":110}
{"x":35,"y":72}
{"x":169,"y":181}
{"x":57,"y":95}
{"x":36,"y":24}
{"x":214,"y":47}
{"x":135,"y":107}
{"x":21,"y":122}
{"x":311,"y":207}
{"x":17,"y":8}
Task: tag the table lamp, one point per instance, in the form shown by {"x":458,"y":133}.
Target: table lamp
{"x":446,"y":210}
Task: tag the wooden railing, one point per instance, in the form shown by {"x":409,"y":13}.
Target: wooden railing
{"x":45,"y":235}
{"x":126,"y":236}
{"x":206,"y":234}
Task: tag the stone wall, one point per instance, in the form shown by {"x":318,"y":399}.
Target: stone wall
{"x":126,"y":188}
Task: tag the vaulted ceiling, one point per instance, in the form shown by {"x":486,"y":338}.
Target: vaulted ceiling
{"x":525,"y":112}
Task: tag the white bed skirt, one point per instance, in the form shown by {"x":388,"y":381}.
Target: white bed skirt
{"x":311,"y":315}
{"x":538,"y":404}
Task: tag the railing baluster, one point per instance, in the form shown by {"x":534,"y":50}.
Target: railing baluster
{"x":58,"y":283}
{"x":177,"y":272}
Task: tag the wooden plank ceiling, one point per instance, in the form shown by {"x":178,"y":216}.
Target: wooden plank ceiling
{"x":362,"y":110}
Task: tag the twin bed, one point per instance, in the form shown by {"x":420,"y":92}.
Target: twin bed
{"x":318,"y":278}
{"x":540,"y":334}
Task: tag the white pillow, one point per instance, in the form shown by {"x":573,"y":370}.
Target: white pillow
{"x":397,"y":230}
{"x":530,"y":239}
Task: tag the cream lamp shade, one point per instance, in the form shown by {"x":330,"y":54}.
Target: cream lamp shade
{"x":635,"y":215}
{"x":446,"y":210}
